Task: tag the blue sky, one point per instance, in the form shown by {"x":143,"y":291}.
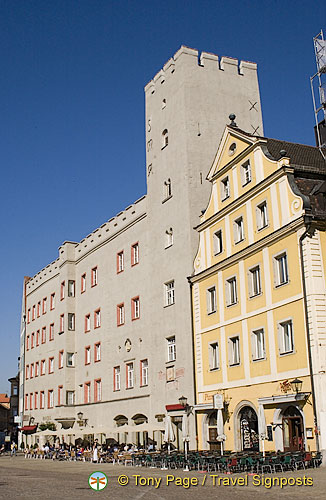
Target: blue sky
{"x":72,"y":110}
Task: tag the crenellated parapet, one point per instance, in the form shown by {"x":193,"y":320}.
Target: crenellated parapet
{"x":187,"y":56}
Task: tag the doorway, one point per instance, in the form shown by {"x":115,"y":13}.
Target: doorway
{"x":249,"y":429}
{"x":292,"y":425}
{"x":214,"y":444}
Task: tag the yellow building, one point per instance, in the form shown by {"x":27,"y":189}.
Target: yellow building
{"x":251,"y":304}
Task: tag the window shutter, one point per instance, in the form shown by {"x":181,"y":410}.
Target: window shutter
{"x":280,"y":339}
{"x":230,"y":351}
{"x":227,"y":294}
{"x":235,"y":231}
{"x":253,"y":346}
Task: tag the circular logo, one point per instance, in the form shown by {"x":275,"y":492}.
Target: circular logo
{"x":97,"y":481}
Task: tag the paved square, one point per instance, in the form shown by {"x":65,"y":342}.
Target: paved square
{"x":47,"y":479}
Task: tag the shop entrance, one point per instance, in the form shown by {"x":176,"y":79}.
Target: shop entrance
{"x":214,"y":445}
{"x":249,"y":429}
{"x":292,"y":424}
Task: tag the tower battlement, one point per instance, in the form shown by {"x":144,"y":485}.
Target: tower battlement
{"x":206,"y":60}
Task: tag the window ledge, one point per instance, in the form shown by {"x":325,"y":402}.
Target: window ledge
{"x":263,"y":227}
{"x":282,"y":284}
{"x":214,"y":369}
{"x":168,"y":305}
{"x":287,"y":353}
{"x":234,"y":364}
{"x":256,"y":295}
{"x":233,"y":304}
{"x":212,"y":312}
{"x":166,"y":199}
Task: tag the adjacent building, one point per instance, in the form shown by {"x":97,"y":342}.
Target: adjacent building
{"x":106,"y":335}
{"x":259,"y":302}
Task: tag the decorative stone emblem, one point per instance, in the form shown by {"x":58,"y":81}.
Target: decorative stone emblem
{"x":128,"y":345}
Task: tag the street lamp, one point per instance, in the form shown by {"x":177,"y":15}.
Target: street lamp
{"x":183,"y":401}
{"x":80,"y":415}
{"x":296,"y":385}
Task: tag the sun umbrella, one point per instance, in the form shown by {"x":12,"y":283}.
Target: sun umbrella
{"x":262,"y":426}
{"x":220,"y":429}
{"x":168,"y":432}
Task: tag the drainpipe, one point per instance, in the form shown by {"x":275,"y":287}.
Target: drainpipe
{"x":193,"y":359}
{"x":302,"y":237}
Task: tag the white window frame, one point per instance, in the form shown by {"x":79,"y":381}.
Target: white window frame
{"x":214,"y":357}
{"x":71,"y":288}
{"x":218,"y":242}
{"x":83,"y":283}
{"x":280,"y":269}
{"x":231,"y":291}
{"x":130,"y":375}
{"x":254,"y":284}
{"x":98,"y":390}
{"x":144,"y":372}
{"x":70,"y":398}
{"x":135,"y":253}
{"x":136,"y":308}
{"x":225,"y":188}
{"x":97,"y":318}
{"x":70,"y":359}
{"x":51,"y":398}
{"x":117,"y":378}
{"x":246,"y":173}
{"x":211,"y":300}
{"x":238,"y":229}
{"x":94,"y":276}
{"x":87,"y":355}
{"x":169,"y":293}
{"x":234,"y":350}
{"x":262,"y":215}
{"x":97,"y":351}
{"x":121,"y":261}
{"x":172,"y":349}
{"x":284,"y":326}
{"x":71,"y":322}
{"x":258,"y":349}
{"x":51,"y":365}
{"x":121,"y":312}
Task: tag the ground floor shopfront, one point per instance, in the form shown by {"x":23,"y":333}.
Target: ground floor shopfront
{"x":289,"y":420}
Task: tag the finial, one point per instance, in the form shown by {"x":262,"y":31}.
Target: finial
{"x":232,"y":118}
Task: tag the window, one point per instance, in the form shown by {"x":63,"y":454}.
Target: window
{"x":36,"y":400}
{"x":50,"y":398}
{"x":26,"y":401}
{"x":83,"y":283}
{"x":28,"y":316}
{"x":94,"y":276}
{"x":60,"y":361}
{"x":258,"y":344}
{"x":87,"y":355}
{"x":52,"y":301}
{"x":116,"y":378}
{"x":281,"y":275}
{"x":71,"y":288}
{"x":70,"y":359}
{"x":144,"y":372}
{"x":169,"y":293}
{"x":172,"y":353}
{"x":27,"y":372}
{"x":163,"y":103}
{"x":51,"y":365}
{"x":70,"y":397}
{"x":231,"y":291}
{"x":43,"y":367}
{"x":225,"y":188}
{"x":97,"y":390}
{"x":32,"y":371}
{"x":120,"y":314}
{"x":60,"y":391}
{"x":167,"y":189}
{"x":87,"y":322}
{"x":32,"y":340}
{"x":87,"y":392}
{"x":71,"y":321}
{"x":38,"y":309}
{"x":213,"y":356}
{"x":97,"y":352}
{"x":43,"y":334}
{"x":31,"y":401}
{"x":134,"y":254}
{"x":234,"y":351}
{"x":62,"y":290}
{"x":286,"y":344}
{"x":62,"y":323}
{"x":37,"y":337}
{"x":97,"y":318}
{"x":33,"y":312}
{"x":37,"y":368}
{"x":27,"y":343}
{"x":51,"y":332}
{"x":211,"y":300}
{"x":120,"y":262}
{"x":165,"y":138}
{"x":238,"y":230}
{"x":218,"y":242}
{"x":261,"y":213}
{"x":254,"y":281}
{"x":44,"y":305}
{"x":245,"y":173}
{"x":135,"y":308}
{"x":130,"y":375}
{"x":42,"y":400}
{"x":168,"y":237}
{"x":170,"y":374}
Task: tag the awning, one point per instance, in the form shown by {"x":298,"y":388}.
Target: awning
{"x":28,"y":428}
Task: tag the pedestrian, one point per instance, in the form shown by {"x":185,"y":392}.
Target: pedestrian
{"x":13,"y":448}
{"x":95,"y":451}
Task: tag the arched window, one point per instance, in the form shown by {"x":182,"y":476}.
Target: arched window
{"x":165,"y":138}
{"x":249,"y":429}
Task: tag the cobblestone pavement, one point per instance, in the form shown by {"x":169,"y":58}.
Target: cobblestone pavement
{"x":47,"y":479}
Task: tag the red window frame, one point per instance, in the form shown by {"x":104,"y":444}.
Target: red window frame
{"x":52,"y":301}
{"x":119,"y":307}
{"x":26,"y":372}
{"x":27,"y":343}
{"x":87,"y":349}
{"x":28,"y":316}
{"x":62,"y":322}
{"x":33,"y":312}
{"x":44,"y":301}
{"x":51,"y":358}
{"x":32,"y":340}
{"x":43,"y":340}
{"x":62,"y":290}
{"x":49,"y":391}
{"x":96,"y":381}
{"x":141,"y":372}
{"x":97,"y":344}
{"x":118,"y":262}
{"x":60,"y":359}
{"x":60,"y":388}
{"x":26,"y":401}
{"x":37,"y":368}
{"x":31,"y":401}
{"x":87,"y":320}
{"x":42,"y":400}
{"x":133,"y":308}
{"x":95,"y":316}
{"x":133,"y":246}
{"x":37,"y":338}
{"x":94,"y":276}
{"x":87,"y":390}
{"x":35,"y":400}
{"x":31,"y":370}
{"x":83,"y":283}
{"x":39,"y":309}
{"x":51,"y":331}
{"x":42,"y":368}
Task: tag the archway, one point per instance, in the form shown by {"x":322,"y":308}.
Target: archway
{"x":293,"y":432}
{"x":249,"y":429}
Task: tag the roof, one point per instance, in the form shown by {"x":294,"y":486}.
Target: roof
{"x":4,"y":398}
